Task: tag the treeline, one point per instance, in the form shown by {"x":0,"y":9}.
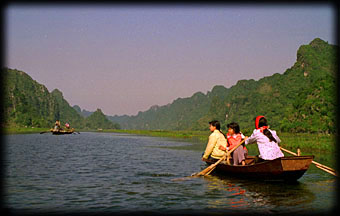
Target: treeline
{"x":26,"y":103}
{"x":302,"y":99}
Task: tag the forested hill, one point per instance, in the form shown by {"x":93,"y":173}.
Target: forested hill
{"x":302,"y":99}
{"x":26,"y":103}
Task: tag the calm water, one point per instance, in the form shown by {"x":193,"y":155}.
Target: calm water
{"x":107,"y":172}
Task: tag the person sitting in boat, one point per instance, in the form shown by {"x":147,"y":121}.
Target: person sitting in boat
{"x":266,"y":139}
{"x":67,"y":125}
{"x":57,"y":126}
{"x":216,"y":139}
{"x":234,"y":137}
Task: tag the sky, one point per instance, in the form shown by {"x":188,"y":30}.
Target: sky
{"x":126,"y":58}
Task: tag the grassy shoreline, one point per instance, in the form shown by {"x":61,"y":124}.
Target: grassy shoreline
{"x":23,"y":130}
{"x":304,"y":141}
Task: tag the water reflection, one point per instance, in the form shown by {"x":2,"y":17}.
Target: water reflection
{"x":258,"y":196}
{"x":116,"y":173}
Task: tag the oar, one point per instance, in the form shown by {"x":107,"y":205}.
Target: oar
{"x":318,"y":165}
{"x":210,"y":168}
{"x":204,"y":172}
{"x":45,"y":131}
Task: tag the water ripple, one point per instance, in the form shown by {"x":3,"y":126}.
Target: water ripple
{"x":113,"y":172}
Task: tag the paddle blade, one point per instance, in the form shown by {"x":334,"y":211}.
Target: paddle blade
{"x":185,"y":178}
{"x":206,"y":170}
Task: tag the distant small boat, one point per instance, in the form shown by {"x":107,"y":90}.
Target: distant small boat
{"x":62,"y":132}
{"x":285,"y":168}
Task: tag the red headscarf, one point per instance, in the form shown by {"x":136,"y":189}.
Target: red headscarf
{"x":257,"y":123}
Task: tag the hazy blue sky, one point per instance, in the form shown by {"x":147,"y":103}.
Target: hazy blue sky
{"x":124,"y":59}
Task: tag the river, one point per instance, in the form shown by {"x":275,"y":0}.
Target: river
{"x":115,"y":173}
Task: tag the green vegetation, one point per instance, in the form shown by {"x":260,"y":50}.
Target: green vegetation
{"x":26,"y":102}
{"x":99,"y":120}
{"x":23,"y":130}
{"x":301,"y":100}
{"x":305,"y":141}
{"x":309,"y":142}
{"x":198,"y":135}
{"x":29,"y":104}
{"x":66,"y":112}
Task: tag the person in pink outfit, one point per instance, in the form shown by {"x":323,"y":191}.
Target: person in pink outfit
{"x":234,"y":137}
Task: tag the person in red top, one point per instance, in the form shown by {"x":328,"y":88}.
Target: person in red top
{"x":234,"y":137}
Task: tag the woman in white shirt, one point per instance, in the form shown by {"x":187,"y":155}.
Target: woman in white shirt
{"x":266,"y":139}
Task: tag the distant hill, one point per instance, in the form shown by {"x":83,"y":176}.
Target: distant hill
{"x":83,"y":112}
{"x":26,"y":103}
{"x":181,"y":114}
{"x":66,"y":112}
{"x":99,"y":121}
{"x":302,"y":99}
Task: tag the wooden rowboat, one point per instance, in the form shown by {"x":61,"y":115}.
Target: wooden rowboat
{"x":62,"y":132}
{"x":285,"y":168}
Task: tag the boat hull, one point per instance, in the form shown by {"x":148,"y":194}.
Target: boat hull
{"x":285,"y":168}
{"x":61,"y":132}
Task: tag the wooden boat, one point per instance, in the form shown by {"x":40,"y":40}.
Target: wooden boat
{"x":285,"y":168}
{"x":62,"y":132}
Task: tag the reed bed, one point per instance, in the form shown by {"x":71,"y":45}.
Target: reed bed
{"x":305,"y":141}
